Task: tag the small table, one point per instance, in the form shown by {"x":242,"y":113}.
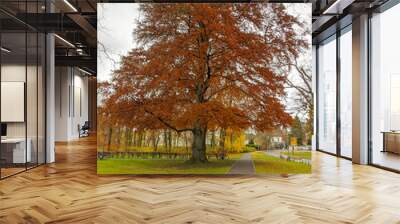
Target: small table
{"x":13,"y":150}
{"x":391,"y":141}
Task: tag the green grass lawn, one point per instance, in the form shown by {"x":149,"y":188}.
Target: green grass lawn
{"x":164,"y":166}
{"x":265,"y":164}
{"x":298,"y":154}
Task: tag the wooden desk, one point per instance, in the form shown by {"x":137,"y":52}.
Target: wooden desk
{"x":391,"y":141}
{"x":13,"y":150}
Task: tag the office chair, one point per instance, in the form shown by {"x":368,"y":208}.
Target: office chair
{"x":84,"y":130}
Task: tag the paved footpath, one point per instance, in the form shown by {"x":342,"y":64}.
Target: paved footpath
{"x":244,"y":165}
{"x":276,"y":153}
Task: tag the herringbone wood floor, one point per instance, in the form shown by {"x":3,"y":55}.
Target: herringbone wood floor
{"x":69,"y":191}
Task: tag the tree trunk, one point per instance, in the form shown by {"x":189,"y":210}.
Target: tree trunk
{"x":222,"y":135}
{"x":186,"y":142}
{"x":139,"y":139}
{"x":118,"y":138}
{"x":134,"y":138}
{"x":212,"y":141}
{"x":199,"y":145}
{"x":143,"y":138}
{"x":148,"y":139}
{"x":155,"y":139}
{"x":165,"y":141}
{"x":231,"y":140}
{"x":130,"y":137}
{"x":127,"y":134}
{"x":177,"y":139}
{"x":110,"y":130}
{"x":169,"y":141}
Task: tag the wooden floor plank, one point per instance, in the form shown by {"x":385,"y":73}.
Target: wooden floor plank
{"x":70,"y":191}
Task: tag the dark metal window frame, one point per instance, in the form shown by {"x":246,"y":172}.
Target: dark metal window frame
{"x":381,"y":9}
{"x":387,"y":5}
{"x":337,"y":35}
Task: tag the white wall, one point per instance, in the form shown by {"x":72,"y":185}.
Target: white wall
{"x":71,"y":94}
{"x":80,"y":115}
{"x":62,"y":82}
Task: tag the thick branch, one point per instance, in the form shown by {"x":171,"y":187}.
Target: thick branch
{"x":166,"y":123}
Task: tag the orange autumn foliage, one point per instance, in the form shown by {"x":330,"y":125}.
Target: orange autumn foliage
{"x":202,"y":66}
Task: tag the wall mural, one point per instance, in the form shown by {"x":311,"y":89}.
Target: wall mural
{"x":204,"y":88}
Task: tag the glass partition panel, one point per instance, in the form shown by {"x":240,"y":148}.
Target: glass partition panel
{"x":346,"y":93}
{"x":14,"y":154}
{"x":41,"y":99}
{"x":22,"y":108}
{"x":385,"y":89}
{"x":31,"y":98}
{"x":327,"y":95}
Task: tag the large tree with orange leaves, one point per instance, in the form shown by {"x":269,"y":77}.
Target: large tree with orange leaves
{"x":201,"y":66}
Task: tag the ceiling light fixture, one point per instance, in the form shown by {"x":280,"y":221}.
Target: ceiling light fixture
{"x":70,"y":5}
{"x":5,"y":50}
{"x":84,"y":71}
{"x":64,"y":40}
{"x":337,"y":7}
{"x":79,"y":51}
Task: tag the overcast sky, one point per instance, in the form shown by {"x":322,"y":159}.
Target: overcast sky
{"x":116,"y":22}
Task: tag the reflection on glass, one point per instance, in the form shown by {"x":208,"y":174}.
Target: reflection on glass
{"x":22,"y":92}
{"x":327,"y":96}
{"x":346,"y":94}
{"x":31,"y":99}
{"x":13,"y":85}
{"x":41,"y":99}
{"x":395,"y":102}
{"x":385,"y":86}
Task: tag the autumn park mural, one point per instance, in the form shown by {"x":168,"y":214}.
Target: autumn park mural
{"x":208,"y":89}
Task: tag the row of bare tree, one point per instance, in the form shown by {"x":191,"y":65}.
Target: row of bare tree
{"x":124,"y":139}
